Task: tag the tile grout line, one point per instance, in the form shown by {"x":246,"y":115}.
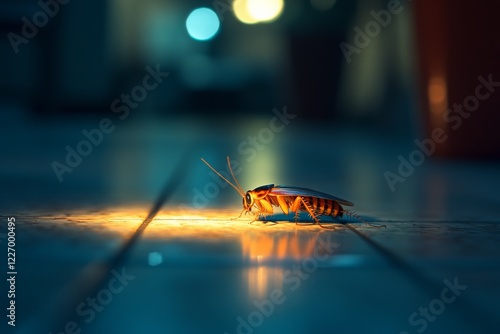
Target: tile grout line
{"x":430,"y":286}
{"x":94,"y":277}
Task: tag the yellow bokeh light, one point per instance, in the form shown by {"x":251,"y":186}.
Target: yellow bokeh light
{"x":241,"y":12}
{"x":255,"y":11}
{"x":265,"y":10}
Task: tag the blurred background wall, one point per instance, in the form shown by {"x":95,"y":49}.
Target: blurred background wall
{"x":263,"y":54}
{"x":386,"y":70}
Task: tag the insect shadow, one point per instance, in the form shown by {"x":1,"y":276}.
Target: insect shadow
{"x":305,"y":220}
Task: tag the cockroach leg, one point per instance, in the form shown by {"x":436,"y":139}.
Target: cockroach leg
{"x":311,"y":213}
{"x":241,"y":213}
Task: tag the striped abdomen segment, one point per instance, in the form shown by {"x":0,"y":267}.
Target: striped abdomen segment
{"x":320,"y":206}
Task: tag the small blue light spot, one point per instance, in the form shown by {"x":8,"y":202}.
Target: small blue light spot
{"x":202,"y":24}
{"x":155,"y":259}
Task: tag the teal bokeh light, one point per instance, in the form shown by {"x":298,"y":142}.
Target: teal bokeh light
{"x":202,"y":24}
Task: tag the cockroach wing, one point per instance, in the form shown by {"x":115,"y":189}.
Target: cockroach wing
{"x":297,"y":191}
{"x":266,"y":187}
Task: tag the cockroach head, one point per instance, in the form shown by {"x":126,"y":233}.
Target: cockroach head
{"x":248,"y":201}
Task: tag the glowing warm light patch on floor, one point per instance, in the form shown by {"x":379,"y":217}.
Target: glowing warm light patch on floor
{"x":190,"y":224}
{"x":214,"y":224}
{"x":122,"y":222}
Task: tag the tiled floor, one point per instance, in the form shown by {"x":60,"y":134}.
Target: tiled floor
{"x":189,"y":268}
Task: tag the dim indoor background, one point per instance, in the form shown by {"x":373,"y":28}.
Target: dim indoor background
{"x":363,"y":70}
{"x":363,"y":79}
{"x":66,"y":66}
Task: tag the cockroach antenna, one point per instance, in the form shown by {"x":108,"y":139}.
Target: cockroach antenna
{"x":232,"y":174}
{"x":240,"y":191}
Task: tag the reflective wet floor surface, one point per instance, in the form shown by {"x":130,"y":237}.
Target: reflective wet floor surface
{"x":139,"y":238}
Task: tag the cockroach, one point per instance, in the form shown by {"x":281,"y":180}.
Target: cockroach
{"x":289,"y":199}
